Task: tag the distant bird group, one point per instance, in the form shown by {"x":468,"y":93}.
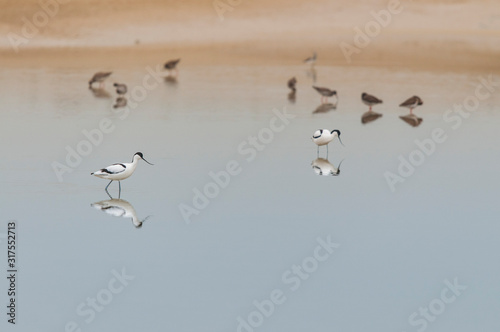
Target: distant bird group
{"x":321,"y":137}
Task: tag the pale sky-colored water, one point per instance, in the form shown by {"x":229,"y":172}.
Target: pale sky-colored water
{"x":396,"y":248}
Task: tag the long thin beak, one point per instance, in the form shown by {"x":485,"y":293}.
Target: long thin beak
{"x":341,"y":141}
{"x":147,"y":161}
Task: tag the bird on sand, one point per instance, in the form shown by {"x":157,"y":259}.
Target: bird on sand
{"x":99,"y":77}
{"x":411,"y":103}
{"x":172,"y":65}
{"x":120,"y":171}
{"x":325,"y":93}
{"x":370,"y":100}
{"x":325,"y":136}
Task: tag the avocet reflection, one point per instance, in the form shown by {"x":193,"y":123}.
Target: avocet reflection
{"x":119,"y":208}
{"x":322,"y":166}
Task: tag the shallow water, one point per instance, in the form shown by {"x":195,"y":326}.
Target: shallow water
{"x":395,"y":250}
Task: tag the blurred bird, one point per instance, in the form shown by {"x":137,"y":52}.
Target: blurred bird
{"x":370,"y":100}
{"x":311,"y":60}
{"x":291,"y":83}
{"x":325,"y":93}
{"x":411,"y":103}
{"x":172,"y":65}
{"x":99,"y":77}
{"x":121,"y":89}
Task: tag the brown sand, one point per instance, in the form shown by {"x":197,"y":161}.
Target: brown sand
{"x":446,"y":34}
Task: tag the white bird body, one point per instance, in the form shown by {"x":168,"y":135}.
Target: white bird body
{"x":118,"y":172}
{"x":323,"y":136}
{"x":121,"y":171}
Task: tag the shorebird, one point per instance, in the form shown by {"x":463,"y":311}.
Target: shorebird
{"x":118,"y":172}
{"x":172,"y":65}
{"x":370,"y":100}
{"x":291,"y":83}
{"x":325,"y":93}
{"x":325,"y":136}
{"x":411,"y":103}
{"x":99,"y":77}
{"x":311,"y":60}
{"x":121,"y":89}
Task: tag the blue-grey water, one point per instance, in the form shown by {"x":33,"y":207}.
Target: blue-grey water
{"x":420,"y":256}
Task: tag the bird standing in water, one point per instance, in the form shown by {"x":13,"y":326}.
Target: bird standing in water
{"x":370,"y":100}
{"x":411,"y":103}
{"x":325,"y":93}
{"x":121,"y":89}
{"x":311,"y":60}
{"x":99,"y":77}
{"x":121,"y":171}
{"x":172,"y":65}
{"x":325,"y":136}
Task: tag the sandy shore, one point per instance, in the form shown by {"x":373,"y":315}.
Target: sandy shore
{"x":443,"y":34}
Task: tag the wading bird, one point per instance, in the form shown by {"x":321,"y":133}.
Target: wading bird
{"x":172,"y":65}
{"x":325,"y":93}
{"x":325,"y":136}
{"x":291,"y":84}
{"x":411,"y":103}
{"x":118,"y":172}
{"x":370,"y":100}
{"x":121,"y":89}
{"x":99,"y":77}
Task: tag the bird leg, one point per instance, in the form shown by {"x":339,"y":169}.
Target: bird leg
{"x":108,"y":185}
{"x":370,"y":109}
{"x":120,"y":189}
{"x":106,"y":189}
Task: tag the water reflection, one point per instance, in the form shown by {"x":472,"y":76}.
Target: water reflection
{"x":100,"y":93}
{"x":119,"y":208}
{"x":369,"y":116}
{"x":311,"y":73}
{"x":324,"y":167}
{"x":170,"y":80}
{"x":411,"y":119}
{"x":120,"y":102}
{"x":324,"y":108}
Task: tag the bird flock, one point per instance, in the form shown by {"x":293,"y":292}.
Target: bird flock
{"x":321,"y":137}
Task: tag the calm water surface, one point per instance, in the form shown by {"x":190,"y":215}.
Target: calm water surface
{"x":395,"y":248}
